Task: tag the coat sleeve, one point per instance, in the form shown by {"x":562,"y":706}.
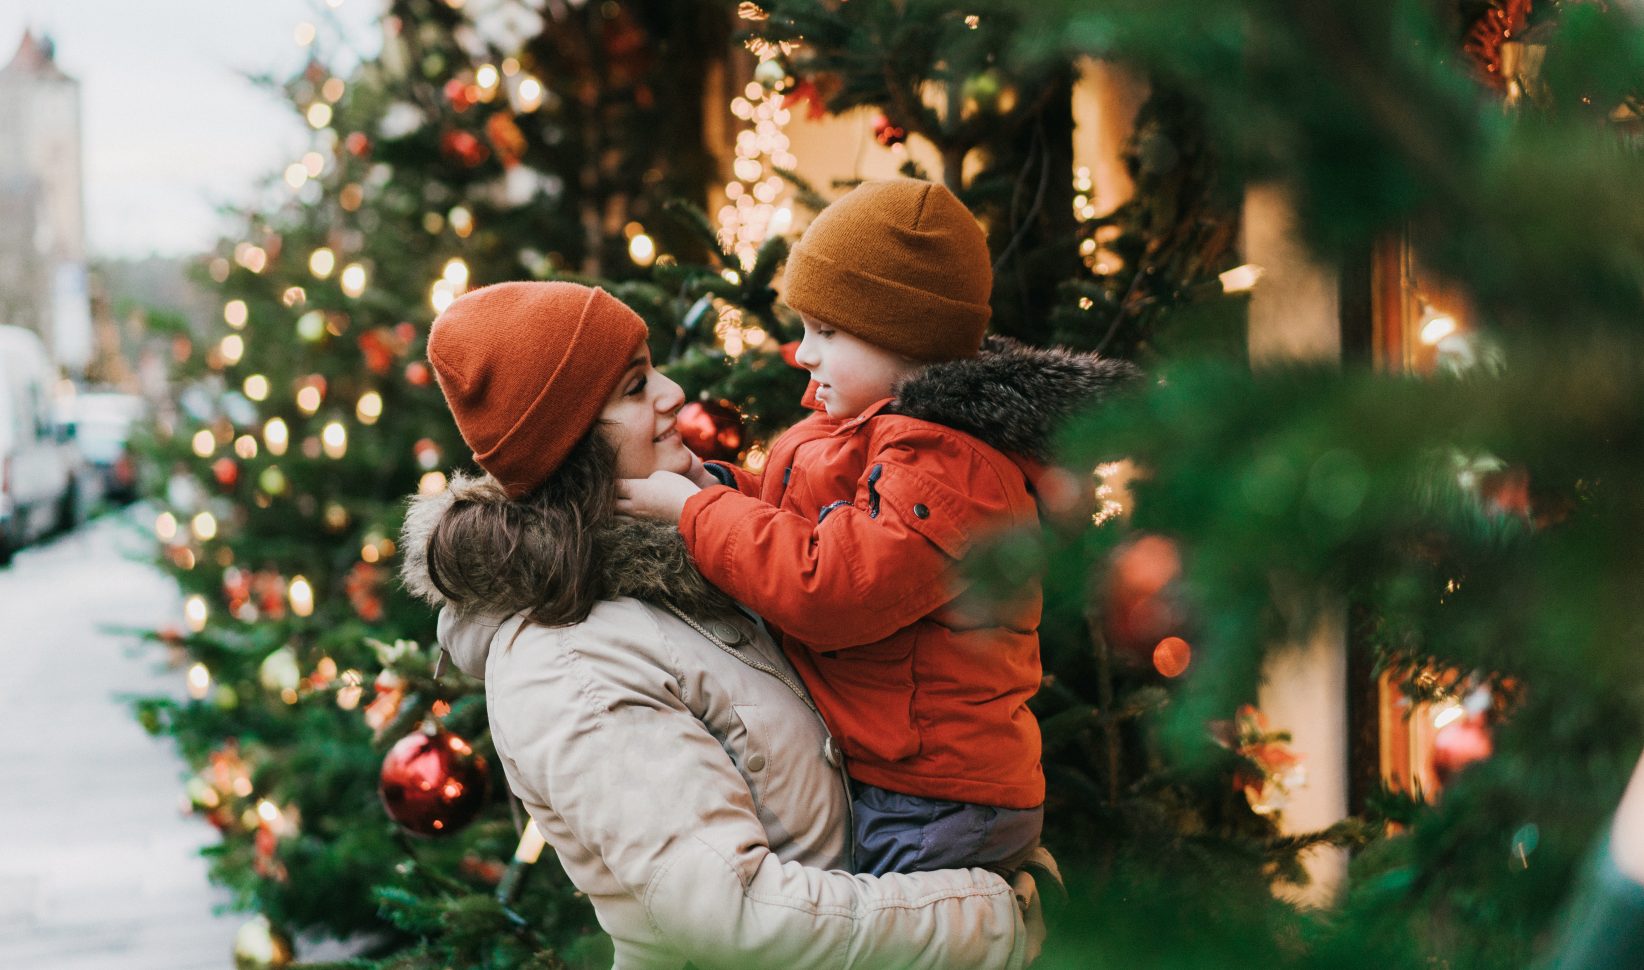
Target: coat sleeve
{"x":878,"y":562}
{"x":734,"y":476}
{"x":609,"y":743}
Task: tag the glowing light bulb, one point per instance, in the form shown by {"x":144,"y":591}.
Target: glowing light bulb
{"x":195,"y":613}
{"x":232,"y":348}
{"x":204,"y":443}
{"x":308,"y":399}
{"x":276,"y":436}
{"x":456,"y":273}
{"x":321,"y":262}
{"x":334,"y":438}
{"x":256,"y":387}
{"x":353,"y":279}
{"x":369,"y":408}
{"x":486,"y":76}
{"x":441,"y":296}
{"x":301,"y":596}
{"x":1240,"y":279}
{"x":305,"y":34}
{"x":165,"y":526}
{"x":235,"y":313}
{"x":1437,"y":327}
{"x":296,"y":175}
{"x":530,"y":94}
{"x":431,"y":483}
{"x":319,"y":114}
{"x":642,"y":250}
{"x":199,"y":682}
{"x":204,"y":526}
{"x":246,"y":447}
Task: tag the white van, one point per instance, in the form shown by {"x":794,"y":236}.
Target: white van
{"x":37,"y":482}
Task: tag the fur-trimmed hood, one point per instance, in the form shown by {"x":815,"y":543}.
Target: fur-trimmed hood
{"x":1011,"y":396}
{"x":645,"y":560}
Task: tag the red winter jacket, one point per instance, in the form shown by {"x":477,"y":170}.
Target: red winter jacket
{"x":849,"y":546}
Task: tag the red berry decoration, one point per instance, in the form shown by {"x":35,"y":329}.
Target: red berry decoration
{"x":886,"y":133}
{"x":711,"y":429}
{"x":1460,"y":743}
{"x":418,"y":374}
{"x":227,"y":473}
{"x":432,"y":782}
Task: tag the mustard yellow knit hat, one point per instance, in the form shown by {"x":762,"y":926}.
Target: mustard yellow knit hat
{"x":901,"y":264}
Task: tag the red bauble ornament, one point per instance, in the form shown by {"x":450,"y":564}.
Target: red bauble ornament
{"x":432,"y":782}
{"x":506,"y":138}
{"x":464,"y":147}
{"x":886,"y":133}
{"x":375,"y":351}
{"x":1459,"y":744}
{"x":227,"y":473}
{"x":461,"y":94}
{"x":418,"y":374}
{"x":711,"y":429}
{"x":358,"y":144}
{"x":1139,"y":610}
{"x":363,"y":584}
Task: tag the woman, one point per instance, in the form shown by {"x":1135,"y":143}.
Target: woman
{"x":655,"y":733}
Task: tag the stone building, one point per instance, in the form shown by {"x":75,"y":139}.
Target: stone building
{"x":43,"y":284}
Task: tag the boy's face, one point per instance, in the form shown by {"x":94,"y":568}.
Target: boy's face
{"x":850,"y":372}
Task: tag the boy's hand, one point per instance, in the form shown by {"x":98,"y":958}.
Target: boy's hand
{"x":662,"y":496}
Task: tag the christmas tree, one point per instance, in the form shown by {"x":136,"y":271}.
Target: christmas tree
{"x":1473,"y":526}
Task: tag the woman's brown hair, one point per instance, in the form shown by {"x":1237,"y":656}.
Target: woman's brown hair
{"x":538,"y":553}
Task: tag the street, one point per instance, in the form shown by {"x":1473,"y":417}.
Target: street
{"x":99,"y":867}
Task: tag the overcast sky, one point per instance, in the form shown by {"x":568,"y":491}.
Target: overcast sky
{"x":173,"y":126}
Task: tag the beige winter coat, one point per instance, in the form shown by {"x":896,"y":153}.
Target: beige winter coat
{"x":685,"y":788}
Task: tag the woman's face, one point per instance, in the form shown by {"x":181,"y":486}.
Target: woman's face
{"x":638,"y":421}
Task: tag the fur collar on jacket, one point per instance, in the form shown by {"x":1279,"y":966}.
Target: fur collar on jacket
{"x":1011,"y":396}
{"x":645,"y":560}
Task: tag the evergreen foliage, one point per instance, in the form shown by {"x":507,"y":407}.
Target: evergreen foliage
{"x":1294,"y":495}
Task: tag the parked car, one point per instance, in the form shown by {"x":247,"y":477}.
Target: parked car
{"x":103,"y":422}
{"x":39,"y":491}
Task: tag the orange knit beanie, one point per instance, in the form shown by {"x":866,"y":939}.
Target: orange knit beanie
{"x":526,"y":369}
{"x":901,"y":264}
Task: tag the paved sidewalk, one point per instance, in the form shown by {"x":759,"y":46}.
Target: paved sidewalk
{"x":99,"y":867}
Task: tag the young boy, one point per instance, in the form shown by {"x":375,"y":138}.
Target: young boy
{"x":849,"y":543}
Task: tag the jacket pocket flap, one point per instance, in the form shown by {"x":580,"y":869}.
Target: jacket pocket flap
{"x":930,"y":509}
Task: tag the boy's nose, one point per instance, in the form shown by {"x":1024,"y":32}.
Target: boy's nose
{"x":805,"y":354}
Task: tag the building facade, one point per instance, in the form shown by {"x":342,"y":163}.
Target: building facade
{"x":43,"y":281}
